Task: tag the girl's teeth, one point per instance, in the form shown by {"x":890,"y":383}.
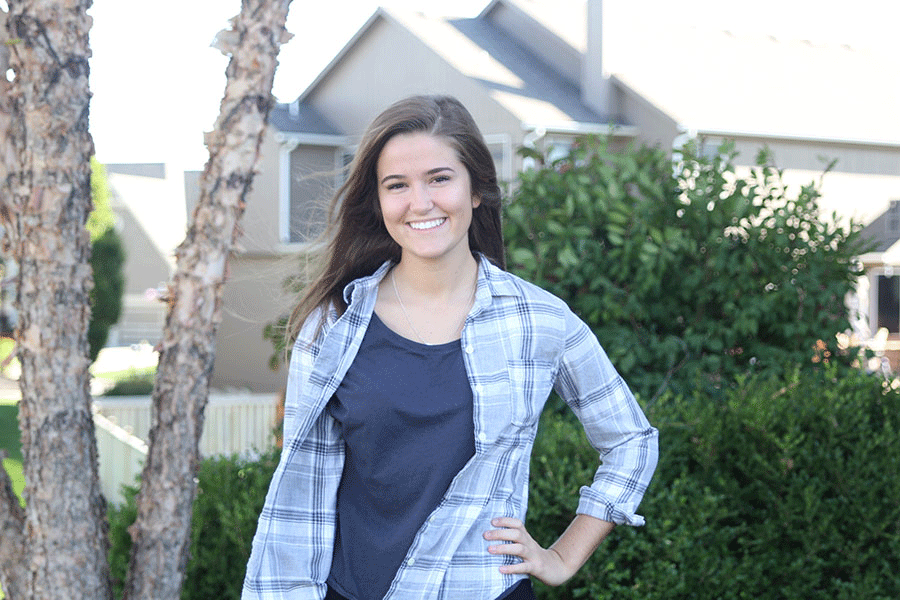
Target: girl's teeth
{"x":426,"y":224}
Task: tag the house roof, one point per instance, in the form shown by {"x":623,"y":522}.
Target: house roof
{"x":714,"y":80}
{"x":707,"y":80}
{"x":515,"y":77}
{"x":884,"y":231}
{"x":566,"y":19}
{"x":298,"y":117}
{"x":512,"y":75}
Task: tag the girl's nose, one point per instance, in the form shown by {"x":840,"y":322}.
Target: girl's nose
{"x":421,"y":198}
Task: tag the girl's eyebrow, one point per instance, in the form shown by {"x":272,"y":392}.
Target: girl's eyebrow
{"x":429,"y":172}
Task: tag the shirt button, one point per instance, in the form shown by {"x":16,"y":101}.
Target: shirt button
{"x":482,"y":436}
{"x":410,"y":562}
{"x":470,"y":349}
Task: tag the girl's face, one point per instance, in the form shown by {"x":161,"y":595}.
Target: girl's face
{"x":426,"y":197}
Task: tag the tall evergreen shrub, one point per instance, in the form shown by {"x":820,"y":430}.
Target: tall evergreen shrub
{"x":107,"y":263}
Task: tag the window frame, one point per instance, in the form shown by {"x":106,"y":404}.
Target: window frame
{"x":288,"y":142}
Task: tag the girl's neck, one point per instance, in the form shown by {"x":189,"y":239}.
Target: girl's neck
{"x":436,"y":280}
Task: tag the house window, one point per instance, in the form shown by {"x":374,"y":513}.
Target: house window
{"x":558,"y":148}
{"x":500,"y":147}
{"x":889,"y":303}
{"x":892,"y":222}
{"x":311,"y":173}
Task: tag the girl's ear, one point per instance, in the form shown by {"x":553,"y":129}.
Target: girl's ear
{"x":476,"y":201}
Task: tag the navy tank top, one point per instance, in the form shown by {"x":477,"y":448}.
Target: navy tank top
{"x":405,"y":412}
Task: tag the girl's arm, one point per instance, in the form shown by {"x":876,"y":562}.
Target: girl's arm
{"x":554,"y":565}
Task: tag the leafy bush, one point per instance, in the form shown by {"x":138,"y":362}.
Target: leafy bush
{"x":230,"y":496}
{"x":689,"y":268}
{"x":133,"y":384}
{"x":785,"y":489}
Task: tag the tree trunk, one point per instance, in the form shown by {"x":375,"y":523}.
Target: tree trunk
{"x":161,"y":532}
{"x":46,"y":200}
{"x":12,"y":517}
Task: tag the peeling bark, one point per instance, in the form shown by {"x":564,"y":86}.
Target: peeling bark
{"x":162,"y":530}
{"x":6,"y":149}
{"x":46,"y":198}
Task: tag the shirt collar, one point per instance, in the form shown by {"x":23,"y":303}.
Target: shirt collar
{"x":366,"y":284}
{"x":492,"y":282}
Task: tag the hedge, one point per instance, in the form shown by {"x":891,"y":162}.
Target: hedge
{"x":784,"y":489}
{"x":230,"y":496}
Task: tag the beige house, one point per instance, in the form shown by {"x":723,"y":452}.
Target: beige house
{"x":539,"y":73}
{"x":148,"y":201}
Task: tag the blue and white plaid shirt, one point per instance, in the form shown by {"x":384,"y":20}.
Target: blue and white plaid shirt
{"x":519,"y":342}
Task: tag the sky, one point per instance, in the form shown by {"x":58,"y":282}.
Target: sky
{"x":157,"y":82}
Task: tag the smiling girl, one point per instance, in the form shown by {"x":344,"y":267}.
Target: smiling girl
{"x":418,"y":375}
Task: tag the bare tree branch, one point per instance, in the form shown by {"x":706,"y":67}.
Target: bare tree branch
{"x":162,"y":530}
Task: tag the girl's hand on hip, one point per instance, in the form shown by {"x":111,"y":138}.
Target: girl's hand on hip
{"x":545,"y":564}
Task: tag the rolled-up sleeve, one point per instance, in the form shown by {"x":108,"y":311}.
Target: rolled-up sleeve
{"x":615,"y":426}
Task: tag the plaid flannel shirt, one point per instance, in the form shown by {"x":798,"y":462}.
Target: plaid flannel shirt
{"x":519,"y":342}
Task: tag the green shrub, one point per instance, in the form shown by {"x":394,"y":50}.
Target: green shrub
{"x":134,"y":384}
{"x":230,"y":496}
{"x":690,"y":269}
{"x":785,"y":489}
{"x":107,"y":263}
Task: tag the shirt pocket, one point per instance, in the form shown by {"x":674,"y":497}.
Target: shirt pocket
{"x":530,"y":384}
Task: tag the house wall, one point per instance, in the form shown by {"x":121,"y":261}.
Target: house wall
{"x":254,"y":296}
{"x":254,"y":291}
{"x":260,"y":222}
{"x":149,"y":205}
{"x":354,"y":94}
{"x":859,"y":186}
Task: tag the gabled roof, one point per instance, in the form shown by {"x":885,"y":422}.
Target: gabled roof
{"x":517,"y":78}
{"x":566,"y":19}
{"x":511,"y":74}
{"x":706,"y":80}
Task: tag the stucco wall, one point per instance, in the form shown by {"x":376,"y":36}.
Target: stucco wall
{"x":261,"y":219}
{"x":254,"y":297}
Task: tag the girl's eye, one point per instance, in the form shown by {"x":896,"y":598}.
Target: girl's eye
{"x":395,"y":186}
{"x":441,"y":178}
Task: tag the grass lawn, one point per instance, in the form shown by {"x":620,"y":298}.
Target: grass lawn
{"x":9,"y":441}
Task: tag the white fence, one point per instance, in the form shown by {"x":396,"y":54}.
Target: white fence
{"x":121,"y":457}
{"x":234,"y":424}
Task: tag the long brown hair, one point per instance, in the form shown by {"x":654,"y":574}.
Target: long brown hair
{"x":357,"y":240}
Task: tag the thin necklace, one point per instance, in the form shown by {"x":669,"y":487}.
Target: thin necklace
{"x":403,"y":308}
{"x":406,"y":314}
